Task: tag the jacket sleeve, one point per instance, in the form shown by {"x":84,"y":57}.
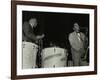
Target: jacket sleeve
{"x":29,"y":33}
{"x":84,"y":37}
{"x":85,"y":40}
{"x":71,"y":41}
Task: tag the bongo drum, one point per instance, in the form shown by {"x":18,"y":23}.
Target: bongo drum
{"x":54,"y":57}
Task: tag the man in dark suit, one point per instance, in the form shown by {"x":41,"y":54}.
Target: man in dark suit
{"x":77,"y":42}
{"x":30,"y":48}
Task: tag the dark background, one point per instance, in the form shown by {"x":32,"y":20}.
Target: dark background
{"x":57,"y":26}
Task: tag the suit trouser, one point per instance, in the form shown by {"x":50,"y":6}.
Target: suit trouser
{"x":29,"y":52}
{"x":77,"y":60}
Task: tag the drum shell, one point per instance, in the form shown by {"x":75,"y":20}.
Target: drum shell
{"x":54,"y":57}
{"x":29,"y":52}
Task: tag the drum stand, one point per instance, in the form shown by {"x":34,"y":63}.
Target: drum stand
{"x":40,"y":44}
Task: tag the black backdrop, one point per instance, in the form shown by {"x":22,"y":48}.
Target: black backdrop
{"x":57,"y":26}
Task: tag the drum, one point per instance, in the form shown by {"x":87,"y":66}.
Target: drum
{"x":29,"y":52}
{"x":54,"y":57}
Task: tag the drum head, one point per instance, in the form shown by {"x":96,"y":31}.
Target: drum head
{"x":54,"y":57}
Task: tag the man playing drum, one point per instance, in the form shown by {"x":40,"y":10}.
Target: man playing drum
{"x":30,"y":48}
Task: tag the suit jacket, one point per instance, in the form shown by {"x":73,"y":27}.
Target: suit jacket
{"x":28,"y":33}
{"x":75,"y":43}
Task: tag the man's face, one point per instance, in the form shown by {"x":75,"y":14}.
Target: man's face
{"x":76,"y":27}
{"x":33,"y":22}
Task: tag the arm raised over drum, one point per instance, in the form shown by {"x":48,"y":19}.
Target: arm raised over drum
{"x":28,"y":32}
{"x":40,"y":36}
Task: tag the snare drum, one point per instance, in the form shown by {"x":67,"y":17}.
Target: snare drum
{"x":54,"y":57}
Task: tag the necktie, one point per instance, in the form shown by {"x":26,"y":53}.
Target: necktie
{"x":79,"y":37}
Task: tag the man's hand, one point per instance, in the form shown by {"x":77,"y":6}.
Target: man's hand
{"x":40,"y":36}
